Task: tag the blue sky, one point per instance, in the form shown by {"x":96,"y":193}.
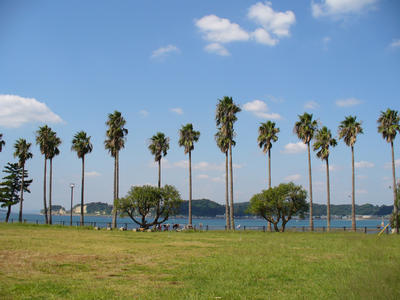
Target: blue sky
{"x":165,"y":63}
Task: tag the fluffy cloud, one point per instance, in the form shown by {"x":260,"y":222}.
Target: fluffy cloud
{"x":294,"y":148}
{"x":177,"y":110}
{"x":164,"y":51}
{"x":273,"y":25}
{"x":311,"y":105}
{"x":396,"y":163}
{"x":260,"y":109}
{"x":338,"y":8}
{"x":395,"y":43}
{"x":364,"y":164}
{"x":16,"y":111}
{"x":348,"y":102}
{"x":217,"y":49}
{"x":277,"y":23}
{"x":92,"y":174}
{"x":294,"y":177}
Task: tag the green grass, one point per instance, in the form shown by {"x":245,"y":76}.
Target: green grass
{"x":42,"y":262}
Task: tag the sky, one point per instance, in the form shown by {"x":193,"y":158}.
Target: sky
{"x":164,"y":64}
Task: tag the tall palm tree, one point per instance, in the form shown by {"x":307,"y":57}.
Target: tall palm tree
{"x":267,"y":133}
{"x":43,"y":136}
{"x":115,"y":141}
{"x":223,"y":145}
{"x":349,"y":128}
{"x":388,"y":125}
{"x":81,"y":145}
{"x":2,"y":142}
{"x":305,"y":129}
{"x":324,"y":140}
{"x":159,"y":145}
{"x":225,"y":117}
{"x":22,"y":152}
{"x":187,"y":138}
{"x":53,"y":151}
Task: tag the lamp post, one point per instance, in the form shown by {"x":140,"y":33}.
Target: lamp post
{"x":72,"y":185}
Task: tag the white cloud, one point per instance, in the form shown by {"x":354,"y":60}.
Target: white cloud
{"x":325,"y":41}
{"x":203,"y":176}
{"x":348,"y":102}
{"x":277,"y":23}
{"x":311,"y":105}
{"x":144,"y":113}
{"x":164,"y":51}
{"x":16,"y":111}
{"x":389,"y":164}
{"x":340,"y":8}
{"x":395,"y":43}
{"x":260,"y":109}
{"x":217,"y":49}
{"x":364,"y":164}
{"x":332,"y":168}
{"x":294,"y":177}
{"x":177,"y":110}
{"x":92,"y":174}
{"x":294,"y":148}
{"x":218,"y":179}
{"x":261,"y":36}
{"x":361,"y":192}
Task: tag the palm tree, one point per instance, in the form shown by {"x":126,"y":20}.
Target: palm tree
{"x":324,"y":140}
{"x":223,"y":145}
{"x":43,"y":136}
{"x":81,"y":145}
{"x":267,"y":133}
{"x":115,"y":141}
{"x":22,"y":152}
{"x":53,"y":151}
{"x":225,"y":117}
{"x":187,"y":138}
{"x":349,"y":128}
{"x":159,"y":145}
{"x":388,"y":126}
{"x":305,"y":129}
{"x":2,"y":142}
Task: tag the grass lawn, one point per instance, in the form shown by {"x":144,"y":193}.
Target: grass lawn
{"x":42,"y":262}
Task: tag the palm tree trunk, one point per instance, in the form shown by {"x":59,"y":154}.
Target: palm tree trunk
{"x":82,"y":191}
{"x":353,"y":193}
{"x":45,"y":191}
{"x":21,"y":199}
{"x":311,"y":195}
{"x":232,"y":215}
{"x":328,"y":206}
{"x":8,"y":213}
{"x":117,"y":191}
{"x":269,"y":181}
{"x":50,"y":191}
{"x":190,"y":188}
{"x":159,"y":173}
{"x":227,"y":216}
{"x":114,"y":218}
{"x":395,"y":204}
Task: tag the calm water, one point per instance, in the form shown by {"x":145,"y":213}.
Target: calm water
{"x":212,"y":223}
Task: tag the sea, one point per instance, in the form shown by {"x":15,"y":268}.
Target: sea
{"x":372,"y":224}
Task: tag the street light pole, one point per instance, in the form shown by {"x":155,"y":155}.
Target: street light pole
{"x":72,"y":200}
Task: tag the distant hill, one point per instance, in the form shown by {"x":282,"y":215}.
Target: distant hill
{"x":211,"y":209}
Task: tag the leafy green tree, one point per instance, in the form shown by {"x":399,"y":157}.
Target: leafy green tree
{"x":187,"y":138}
{"x":223,"y":145}
{"x":22,"y":152}
{"x":388,"y":126}
{"x":2,"y":142}
{"x":43,"y":136}
{"x":147,"y":200}
{"x":81,"y":145}
{"x":11,"y":186}
{"x":159,"y":145}
{"x":225,"y":118}
{"x":53,"y":150}
{"x":115,"y":141}
{"x":323,"y":141}
{"x":349,"y":128}
{"x":305,"y":129}
{"x":279,"y":204}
